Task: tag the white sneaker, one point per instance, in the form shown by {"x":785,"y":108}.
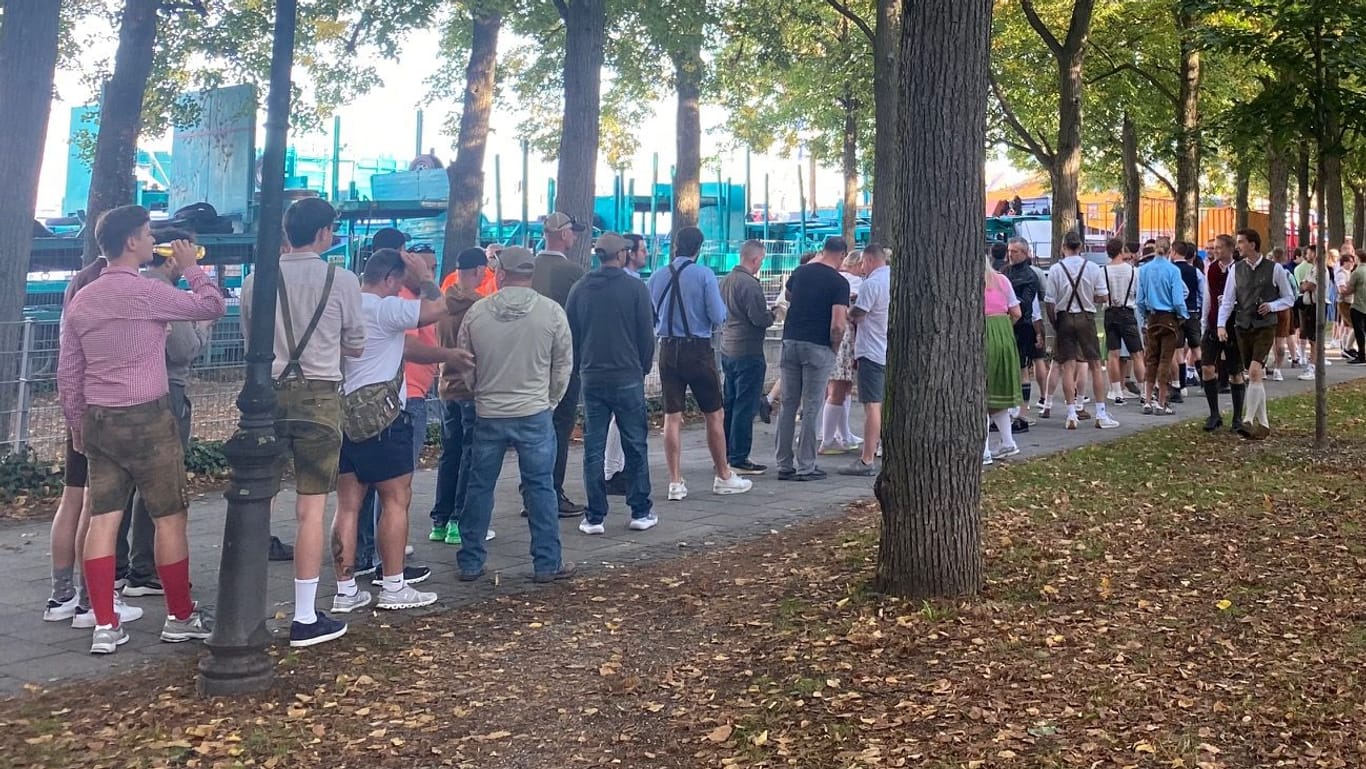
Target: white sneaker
{"x":345,"y":604}
{"x":489,"y":537}
{"x":1071,"y":423}
{"x":407,"y":549}
{"x":1104,"y":422}
{"x":107,"y":640}
{"x":1005,"y":452}
{"x":986,"y":458}
{"x":678,"y":491}
{"x":1277,"y":376}
{"x":646,"y":523}
{"x":85,"y":620}
{"x":407,"y":598}
{"x":732,"y":485}
{"x":60,"y":611}
{"x":591,"y":528}
{"x":1307,"y":376}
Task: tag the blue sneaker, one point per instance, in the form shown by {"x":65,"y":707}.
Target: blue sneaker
{"x":322,"y":630}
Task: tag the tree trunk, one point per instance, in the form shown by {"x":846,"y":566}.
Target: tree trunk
{"x":1133,"y":180}
{"x":688,"y":175}
{"x":1331,"y":183}
{"x":1242,"y":180}
{"x":886,"y":41}
{"x":585,"y":28}
{"x":1066,"y":171}
{"x":28,"y":57}
{"x":1188,"y":140}
{"x":1278,"y":183}
{"x":466,"y":173}
{"x":1358,"y":215}
{"x":850,"y":166}
{"x":112,"y":183}
{"x":811,"y":181}
{"x":1302,"y":199}
{"x":931,"y":541}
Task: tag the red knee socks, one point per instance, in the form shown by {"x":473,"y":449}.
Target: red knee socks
{"x":99,"y":580}
{"x":175,"y":580}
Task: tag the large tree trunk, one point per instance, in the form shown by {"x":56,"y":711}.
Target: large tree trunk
{"x":1278,"y":183}
{"x":1331,"y":182}
{"x":1302,"y":195}
{"x":849,"y":158}
{"x":466,"y":174}
{"x":1188,"y":140}
{"x":1133,"y":180}
{"x":585,"y":28}
{"x":1242,"y":181}
{"x":931,"y":513}
{"x":112,"y":182}
{"x":1066,"y":171}
{"x":886,"y":42}
{"x":688,"y":65}
{"x":1358,"y":215}
{"x":28,"y":59}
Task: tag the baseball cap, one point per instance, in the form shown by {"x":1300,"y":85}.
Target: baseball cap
{"x":421,"y":248}
{"x":471,"y":258}
{"x":388,"y":237}
{"x":517,"y":260}
{"x":611,"y":244}
{"x":560,"y":221}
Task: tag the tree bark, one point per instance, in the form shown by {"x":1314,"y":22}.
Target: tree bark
{"x":1242,"y":180}
{"x":688,"y":65}
{"x":1331,"y":182}
{"x":850,"y":166}
{"x":1278,"y":183}
{"x":112,"y":181}
{"x":811,"y":182}
{"x":585,"y":29}
{"x":886,"y":42}
{"x":1188,"y":140}
{"x":28,"y":57}
{"x":1358,"y":215}
{"x":931,"y":541}
{"x":466,"y":173}
{"x":1066,"y":171}
{"x":1302,"y":199}
{"x":1133,"y":180}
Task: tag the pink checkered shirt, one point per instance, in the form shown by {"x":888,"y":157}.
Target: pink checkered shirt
{"x":113,"y":343}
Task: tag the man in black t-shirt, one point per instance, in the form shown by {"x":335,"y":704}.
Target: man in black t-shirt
{"x":817,"y":317}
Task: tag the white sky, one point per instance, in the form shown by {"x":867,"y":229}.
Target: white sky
{"x":382,"y":123}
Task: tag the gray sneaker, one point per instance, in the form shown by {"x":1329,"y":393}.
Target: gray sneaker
{"x":197,"y":627}
{"x":407,"y":598}
{"x":107,"y":639}
{"x":860,"y":468}
{"x":345,"y":604}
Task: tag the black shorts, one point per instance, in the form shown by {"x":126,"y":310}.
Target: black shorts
{"x":1309,"y":323}
{"x":1027,"y":343}
{"x":1121,"y":329}
{"x":382,"y":458}
{"x":1211,"y":349}
{"x":1189,"y":335}
{"x":689,"y":363}
{"x":75,"y":468}
{"x":872,"y":380}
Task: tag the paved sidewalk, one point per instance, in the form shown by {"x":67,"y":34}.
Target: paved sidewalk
{"x":43,"y":653}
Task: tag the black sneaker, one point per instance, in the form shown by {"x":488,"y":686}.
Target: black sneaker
{"x":1132,"y":387}
{"x":565,"y":571}
{"x":617,"y":485}
{"x":1019,"y":425}
{"x":765,"y":410}
{"x":748,"y":468}
{"x":412,"y":575}
{"x":138,"y":588}
{"x":570,"y":509}
{"x":279,"y":551}
{"x":786,"y":475}
{"x":321,"y":630}
{"x":1213,"y":423}
{"x":815,"y":475}
{"x":1174,"y":396}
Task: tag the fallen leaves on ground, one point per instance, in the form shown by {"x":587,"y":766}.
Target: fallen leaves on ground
{"x":1166,"y":600}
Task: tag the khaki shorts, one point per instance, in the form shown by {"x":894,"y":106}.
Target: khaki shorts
{"x":308,"y":419}
{"x":135,"y":447}
{"x":1254,"y":344}
{"x":1077,"y":339}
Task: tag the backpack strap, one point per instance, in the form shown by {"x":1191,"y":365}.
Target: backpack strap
{"x":293,"y":369}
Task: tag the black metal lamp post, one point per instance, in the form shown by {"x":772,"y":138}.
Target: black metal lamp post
{"x":238,"y":662}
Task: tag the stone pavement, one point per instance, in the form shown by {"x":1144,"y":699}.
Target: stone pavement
{"x":44,"y":653}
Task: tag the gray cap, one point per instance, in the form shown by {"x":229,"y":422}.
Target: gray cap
{"x":560,"y":221}
{"x":517,"y":260}
{"x":611,"y":244}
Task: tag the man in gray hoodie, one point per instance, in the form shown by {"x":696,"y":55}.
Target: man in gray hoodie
{"x":523,"y":357}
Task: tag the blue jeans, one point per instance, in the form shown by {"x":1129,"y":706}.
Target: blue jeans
{"x":534,"y":439}
{"x":743,"y":387}
{"x":416,"y":409}
{"x":452,"y":472}
{"x":627,"y":404}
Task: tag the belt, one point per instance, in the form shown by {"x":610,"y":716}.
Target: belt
{"x":684,"y":339}
{"x":310,"y":385}
{"x":163,"y":402}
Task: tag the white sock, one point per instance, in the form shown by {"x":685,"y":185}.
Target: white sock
{"x":1071,"y":411}
{"x":347,"y":587}
{"x":1002,"y":420}
{"x":305,"y":596}
{"x":830,"y":421}
{"x":393,"y":582}
{"x":849,"y":437}
{"x":1100,"y":410}
{"x":1261,"y":405}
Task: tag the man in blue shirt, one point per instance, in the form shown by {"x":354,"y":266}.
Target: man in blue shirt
{"x":688,"y":306}
{"x":1162,"y":302}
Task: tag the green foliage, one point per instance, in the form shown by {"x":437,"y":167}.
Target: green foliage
{"x":206,"y":458}
{"x":22,"y":474}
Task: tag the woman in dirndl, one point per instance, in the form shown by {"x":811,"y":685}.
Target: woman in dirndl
{"x":1002,"y":359}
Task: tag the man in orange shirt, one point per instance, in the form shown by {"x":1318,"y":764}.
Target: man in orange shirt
{"x":489,"y":284}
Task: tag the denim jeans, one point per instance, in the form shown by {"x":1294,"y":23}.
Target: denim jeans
{"x":452,"y":472}
{"x":534,"y":439}
{"x":565,"y":415}
{"x":416,"y":409}
{"x":805,"y":370}
{"x":627,"y":404}
{"x":743,"y":387}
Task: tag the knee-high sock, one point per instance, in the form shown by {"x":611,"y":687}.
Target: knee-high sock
{"x":1260,"y":415}
{"x":1239,"y":393}
{"x":1256,"y":397}
{"x":1212,"y":396}
{"x":830,"y":423}
{"x":99,"y":573}
{"x":849,"y":437}
{"x":1024,"y":390}
{"x":1002,"y":420}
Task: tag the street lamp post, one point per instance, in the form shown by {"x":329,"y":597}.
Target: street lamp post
{"x":237,"y":662}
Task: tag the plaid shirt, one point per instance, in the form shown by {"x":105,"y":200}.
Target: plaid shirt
{"x":113,"y":343}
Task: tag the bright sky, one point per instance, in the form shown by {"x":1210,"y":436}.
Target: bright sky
{"x":383,"y":124}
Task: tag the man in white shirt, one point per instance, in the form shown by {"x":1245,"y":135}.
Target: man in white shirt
{"x":1121,"y":320}
{"x":869,"y":315}
{"x":1256,"y":290}
{"x":1075,"y":286}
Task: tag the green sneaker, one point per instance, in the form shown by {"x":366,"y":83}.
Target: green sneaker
{"x":453,"y":534}
{"x":438,"y":533}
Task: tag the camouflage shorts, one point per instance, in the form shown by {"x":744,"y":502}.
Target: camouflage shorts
{"x":308,"y":419}
{"x":135,"y":447}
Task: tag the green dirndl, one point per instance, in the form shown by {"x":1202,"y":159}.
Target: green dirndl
{"x":1003,"y":363}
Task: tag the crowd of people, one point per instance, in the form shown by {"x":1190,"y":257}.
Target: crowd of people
{"x":511,"y":344}
{"x":1171,"y":322}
